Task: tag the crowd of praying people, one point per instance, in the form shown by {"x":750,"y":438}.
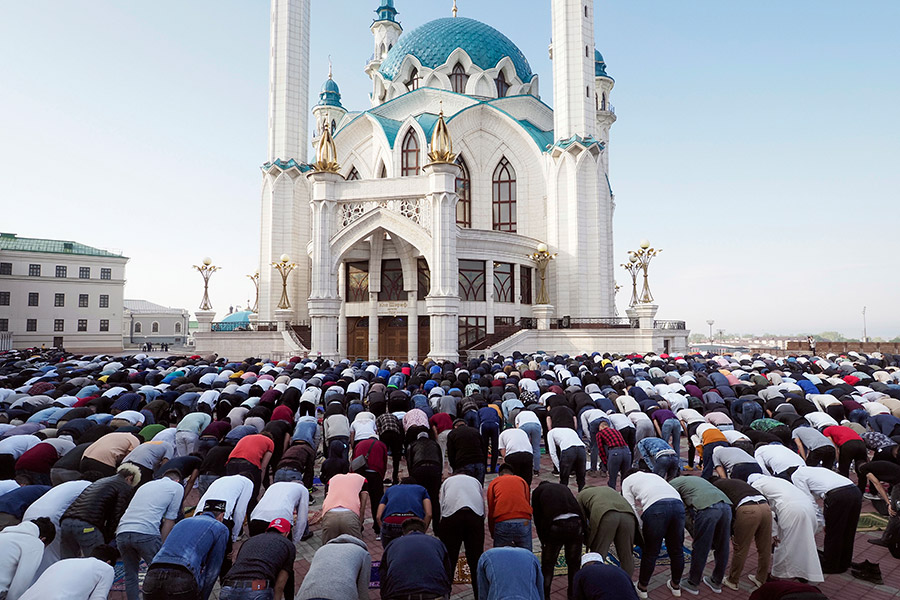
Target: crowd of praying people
{"x":214,"y":473}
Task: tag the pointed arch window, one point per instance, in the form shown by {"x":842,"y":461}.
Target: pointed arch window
{"x":333,"y":126}
{"x":464,"y":190}
{"x":354,"y":175}
{"x":413,"y":82}
{"x":504,"y":197}
{"x":382,"y":173}
{"x":459,"y":79}
{"x":603,"y":101}
{"x":502,"y":85}
{"x":409,"y":157}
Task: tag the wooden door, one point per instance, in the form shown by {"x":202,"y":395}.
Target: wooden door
{"x":392,"y":338}
{"x":357,"y":338}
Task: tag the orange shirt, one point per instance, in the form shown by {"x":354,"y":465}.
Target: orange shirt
{"x":111,"y":448}
{"x":508,"y":497}
{"x":252,"y":448}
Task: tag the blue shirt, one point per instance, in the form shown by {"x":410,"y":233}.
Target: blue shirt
{"x":15,"y":502}
{"x":404,"y":499}
{"x":488,"y":415}
{"x":597,"y":581}
{"x":416,"y":564}
{"x":650,"y":447}
{"x":198,"y":544}
{"x":495,"y":582}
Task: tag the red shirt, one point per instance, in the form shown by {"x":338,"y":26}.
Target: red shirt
{"x":377,"y":457}
{"x":283,"y":413}
{"x":39,"y":459}
{"x":840,"y":434}
{"x":252,"y":448}
{"x":442,"y":422}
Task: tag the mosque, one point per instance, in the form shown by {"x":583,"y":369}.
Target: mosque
{"x":415,"y":229}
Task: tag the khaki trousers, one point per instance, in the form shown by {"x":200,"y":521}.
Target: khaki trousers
{"x":752,"y":523}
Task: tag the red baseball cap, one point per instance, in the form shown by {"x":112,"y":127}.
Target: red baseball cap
{"x":282,"y":525}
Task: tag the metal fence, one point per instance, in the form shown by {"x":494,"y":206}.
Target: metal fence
{"x":672,"y":325}
{"x":597,"y":323}
{"x":5,"y":341}
{"x":257,"y":326}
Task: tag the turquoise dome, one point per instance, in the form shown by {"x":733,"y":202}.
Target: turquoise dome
{"x":239,"y":318}
{"x":330,"y":94}
{"x":433,"y":42}
{"x":599,"y":65}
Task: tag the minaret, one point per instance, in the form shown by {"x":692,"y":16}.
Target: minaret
{"x":386,"y":31}
{"x":328,"y":109}
{"x":574,"y":111}
{"x":289,"y":80}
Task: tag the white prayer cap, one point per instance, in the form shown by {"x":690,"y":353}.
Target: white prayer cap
{"x":591,"y":557}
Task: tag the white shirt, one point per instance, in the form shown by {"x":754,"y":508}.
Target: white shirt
{"x":619,"y":421}
{"x":820,"y":420}
{"x":56,"y":501}
{"x":8,"y":485}
{"x":589,"y":415}
{"x":461,"y":491}
{"x":875,"y":408}
{"x":775,"y":458}
{"x":627,"y":404}
{"x":73,"y":579}
{"x":643,"y":489}
{"x":515,"y":440}
{"x":689,"y":415}
{"x":363,"y":429}
{"x":732,"y":435}
{"x":132,"y":416}
{"x":236,"y":491}
{"x":564,"y":438}
{"x":526,"y":416}
{"x":21,"y":551}
{"x":151,"y":503}
{"x":815,"y":482}
{"x":280,"y":501}
{"x":18,"y":445}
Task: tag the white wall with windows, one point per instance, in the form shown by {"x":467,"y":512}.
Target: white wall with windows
{"x":144,"y":321}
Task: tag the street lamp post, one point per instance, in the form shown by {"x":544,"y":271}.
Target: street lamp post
{"x":632,"y":267}
{"x":206,"y":270}
{"x":284,"y":268}
{"x":710,"y":322}
{"x":644,"y":255}
{"x":255,"y":279}
{"x":542,"y":259}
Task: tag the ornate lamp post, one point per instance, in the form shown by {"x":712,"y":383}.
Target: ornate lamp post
{"x":542,"y":258}
{"x":255,"y":279}
{"x":632,"y":267}
{"x":644,"y":255}
{"x":206,"y":270}
{"x":284,"y":268}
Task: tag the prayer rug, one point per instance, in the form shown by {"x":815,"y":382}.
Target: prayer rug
{"x":870,"y":521}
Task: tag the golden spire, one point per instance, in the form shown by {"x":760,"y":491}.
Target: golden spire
{"x":329,"y":67}
{"x":441,"y":144}
{"x":326,"y":153}
{"x":455,"y":10}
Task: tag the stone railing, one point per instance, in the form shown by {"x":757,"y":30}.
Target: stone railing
{"x":672,"y":325}
{"x":417,"y":210}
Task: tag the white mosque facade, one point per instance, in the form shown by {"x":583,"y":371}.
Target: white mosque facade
{"x":400,"y":256}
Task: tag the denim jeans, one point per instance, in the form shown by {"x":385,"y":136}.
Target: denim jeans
{"x":750,"y":411}
{"x":78,"y":538}
{"x":671,"y":429}
{"x":475,"y":470}
{"x":708,"y":466}
{"x":618,"y":460}
{"x":534,"y":435}
{"x":133,"y":547}
{"x":514,"y":533}
{"x":572,"y":460}
{"x":204,"y":481}
{"x":170,"y":584}
{"x":288,"y":474}
{"x":712,"y":531}
{"x":668,"y":466}
{"x":593,"y":429}
{"x":244,"y":593}
{"x":662,"y":520}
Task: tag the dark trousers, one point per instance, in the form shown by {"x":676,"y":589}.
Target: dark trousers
{"x":375,"y":487}
{"x":618,"y":461}
{"x":170,"y":584}
{"x":842,"y":507}
{"x":464,"y":527}
{"x":708,"y":466}
{"x":711,"y":531}
{"x":662,"y":520}
{"x":629,"y":434}
{"x":490,"y":434}
{"x":89,"y":464}
{"x":744,"y":470}
{"x":852,"y":451}
{"x":240,"y":466}
{"x":563,"y":534}
{"x":7,"y":466}
{"x":429,"y":475}
{"x":572,"y":460}
{"x":521,"y":463}
{"x":394,"y":441}
{"x":821,"y":456}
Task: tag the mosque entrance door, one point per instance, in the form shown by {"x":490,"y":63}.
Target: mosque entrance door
{"x":358,"y":338}
{"x":392,"y":337}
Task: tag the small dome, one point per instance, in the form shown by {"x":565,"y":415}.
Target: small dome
{"x":599,"y":65}
{"x":330,"y":94}
{"x":434,"y":42}
{"x":239,"y":318}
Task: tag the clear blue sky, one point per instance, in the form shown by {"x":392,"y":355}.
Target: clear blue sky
{"x":757,"y":143}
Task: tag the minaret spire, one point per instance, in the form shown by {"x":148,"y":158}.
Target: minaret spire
{"x":455,"y":10}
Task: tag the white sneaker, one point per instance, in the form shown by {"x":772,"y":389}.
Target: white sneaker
{"x":676,"y":591}
{"x":641,"y":594}
{"x":730,"y":584}
{"x":756,"y":583}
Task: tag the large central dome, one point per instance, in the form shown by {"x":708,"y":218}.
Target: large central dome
{"x":433,"y":42}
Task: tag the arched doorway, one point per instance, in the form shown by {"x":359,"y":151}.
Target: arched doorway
{"x":392,"y":337}
{"x":357,"y":338}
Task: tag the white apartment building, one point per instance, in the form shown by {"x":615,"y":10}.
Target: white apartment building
{"x":145,"y":321}
{"x":61,"y":293}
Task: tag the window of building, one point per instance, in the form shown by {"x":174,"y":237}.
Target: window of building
{"x":34,"y":299}
{"x":104,"y":324}
{"x":504,"y":282}
{"x":59,"y":300}
{"x":5,"y":268}
{"x":423,"y":279}
{"x":31,"y":325}
{"x":603,"y":101}
{"x":4,"y":298}
{"x":354,"y":175}
{"x":34,"y":270}
{"x":138,"y":328}
{"x":61,"y":271}
{"x":471,"y":280}
{"x":525,"y":285}
{"x":84,"y":272}
{"x":409,"y":156}
{"x":464,"y":189}
{"x":471,"y":329}
{"x":391,"y":281}
{"x":502,"y":85}
{"x":413,"y":82}
{"x":4,"y":324}
{"x":177,"y":327}
{"x":459,"y":79}
{"x":82,"y":300}
{"x":154,"y":327}
{"x":357,"y":288}
{"x":105,"y":273}
{"x":104,"y":301}
{"x":504,"y":192}
{"x":82,"y":324}
{"x":382,"y":174}
{"x":59,"y":325}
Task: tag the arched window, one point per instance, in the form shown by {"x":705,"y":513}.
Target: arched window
{"x":603,"y":101}
{"x":464,"y":189}
{"x":504,"y":202}
{"x":458,"y":79}
{"x":409,"y":158}
{"x":382,"y":174}
{"x":354,"y":175}
{"x":413,"y":82}
{"x":154,"y":328}
{"x":138,"y":328}
{"x":384,"y":51}
{"x":502,"y":85}
{"x":333,"y":126}
{"x":177,"y":327}
{"x":585,"y":11}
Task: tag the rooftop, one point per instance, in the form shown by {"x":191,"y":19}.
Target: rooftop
{"x":145,"y":306}
{"x":14,"y":243}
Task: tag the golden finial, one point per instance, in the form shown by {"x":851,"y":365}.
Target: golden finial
{"x":329,"y":67}
{"x":441,"y":144}
{"x":326,"y":153}
{"x":455,"y":10}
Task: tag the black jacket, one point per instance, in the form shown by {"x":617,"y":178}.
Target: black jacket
{"x":102,"y":504}
{"x":550,"y":500}
{"x":464,"y":447}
